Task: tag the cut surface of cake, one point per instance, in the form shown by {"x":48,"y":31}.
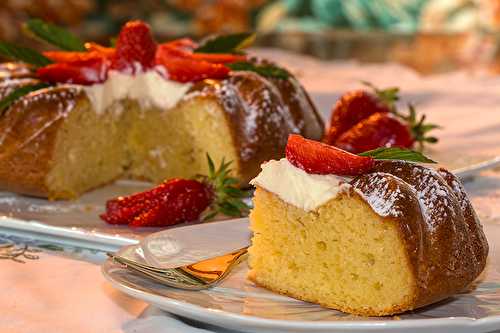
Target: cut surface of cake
{"x":397,"y":237}
{"x":153,"y":120}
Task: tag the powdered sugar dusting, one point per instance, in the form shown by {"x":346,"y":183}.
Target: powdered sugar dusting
{"x":382,"y":193}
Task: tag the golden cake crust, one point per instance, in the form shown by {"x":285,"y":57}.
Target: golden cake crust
{"x":28,"y":132}
{"x":445,"y":241}
{"x":261,"y":113}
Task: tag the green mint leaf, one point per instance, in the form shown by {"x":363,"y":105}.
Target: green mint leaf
{"x":267,"y":70}
{"x":23,"y":54}
{"x":55,"y":35}
{"x":397,"y":154}
{"x":18,"y":93}
{"x":233,"y":43}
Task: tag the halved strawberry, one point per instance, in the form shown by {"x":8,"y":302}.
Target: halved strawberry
{"x":103,"y":50}
{"x":319,"y":158}
{"x":378,"y":130}
{"x":68,"y":56}
{"x":219,"y":58}
{"x":84,"y":72}
{"x":181,"y":67}
{"x":135,"y":48}
{"x":185,"y":44}
{"x":178,"y":200}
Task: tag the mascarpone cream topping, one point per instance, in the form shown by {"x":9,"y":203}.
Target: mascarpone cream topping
{"x":297,"y":187}
{"x":148,"y":87}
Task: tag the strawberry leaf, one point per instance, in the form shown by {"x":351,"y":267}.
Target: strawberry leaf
{"x":228,"y":197}
{"x":233,"y":43}
{"x":267,"y":70}
{"x":18,"y":93}
{"x":389,"y":96}
{"x":23,"y":54}
{"x":397,"y":154}
{"x":55,"y":35}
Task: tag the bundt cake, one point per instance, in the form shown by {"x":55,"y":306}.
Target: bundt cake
{"x":151,"y":121}
{"x":393,"y":238}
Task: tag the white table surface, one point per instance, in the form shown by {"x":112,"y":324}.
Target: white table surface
{"x":65,"y":291}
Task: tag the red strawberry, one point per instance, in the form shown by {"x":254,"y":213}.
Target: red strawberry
{"x":378,"y":130}
{"x":319,"y":158}
{"x":122,"y":210}
{"x":185,"y":44}
{"x":178,"y":200}
{"x":218,"y":58}
{"x":103,"y":50}
{"x":135,"y":48}
{"x":357,"y":105}
{"x":183,"y":68}
{"x":65,"y":56}
{"x":79,"y":72}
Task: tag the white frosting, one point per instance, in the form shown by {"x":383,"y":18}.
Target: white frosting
{"x":148,"y":87}
{"x":297,"y":187}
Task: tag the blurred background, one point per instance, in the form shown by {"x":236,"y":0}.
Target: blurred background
{"x":431,"y":36}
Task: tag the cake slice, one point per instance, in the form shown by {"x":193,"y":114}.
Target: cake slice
{"x":396,"y":237}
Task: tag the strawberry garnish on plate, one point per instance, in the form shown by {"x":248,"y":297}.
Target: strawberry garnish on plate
{"x":135,"y":48}
{"x":364,"y":121}
{"x":319,"y":158}
{"x":179,"y":200}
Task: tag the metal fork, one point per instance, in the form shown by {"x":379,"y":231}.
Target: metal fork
{"x":201,"y":275}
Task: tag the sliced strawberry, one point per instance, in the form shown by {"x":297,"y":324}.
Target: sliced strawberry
{"x":174,"y":201}
{"x":178,"y":200}
{"x":65,"y":56}
{"x":319,"y":158}
{"x":185,"y":44}
{"x":108,"y":52}
{"x":378,"y":130}
{"x":350,"y":109}
{"x":78,"y":72}
{"x":182,"y":68}
{"x":123,"y":210}
{"x":182,"y":200}
{"x":135,"y":48}
{"x":218,"y":58}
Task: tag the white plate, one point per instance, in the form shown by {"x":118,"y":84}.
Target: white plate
{"x":238,"y":304}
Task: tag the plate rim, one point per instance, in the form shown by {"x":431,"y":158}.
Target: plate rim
{"x":210,"y":316}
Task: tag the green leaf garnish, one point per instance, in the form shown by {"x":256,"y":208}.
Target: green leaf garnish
{"x":55,"y":35}
{"x":23,"y":54}
{"x":233,"y":43}
{"x":18,"y":93}
{"x":267,"y":70}
{"x":228,"y":197}
{"x":397,"y":154}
